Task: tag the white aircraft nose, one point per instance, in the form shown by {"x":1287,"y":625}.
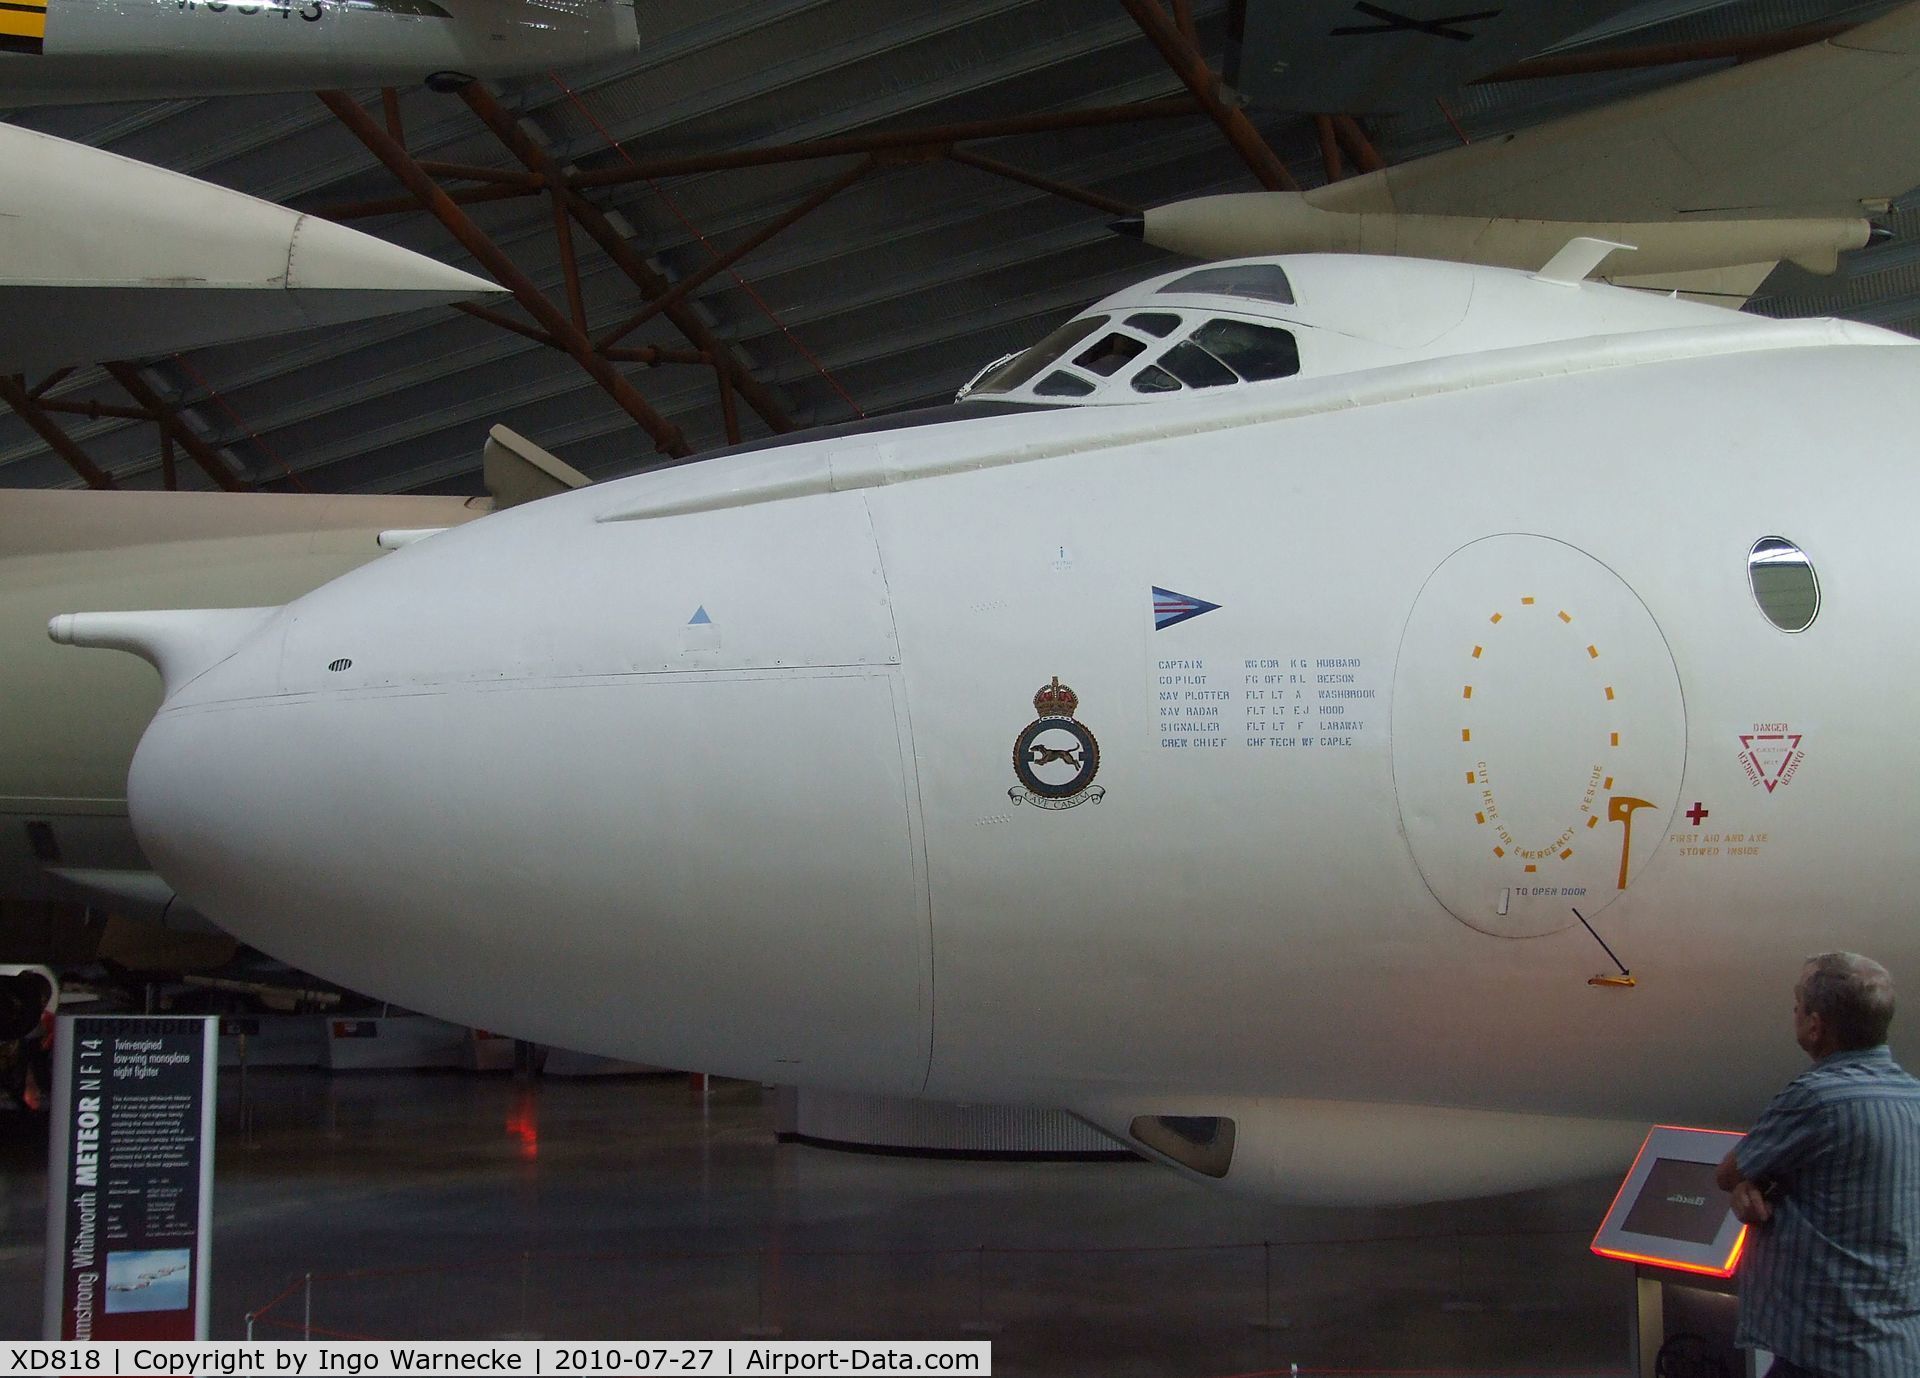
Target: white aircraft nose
{"x":483,"y":816}
{"x":104,"y":257}
{"x":339,"y":274}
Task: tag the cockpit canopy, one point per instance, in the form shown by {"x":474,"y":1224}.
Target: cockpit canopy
{"x":1162,"y":349}
{"x":1261,"y":321}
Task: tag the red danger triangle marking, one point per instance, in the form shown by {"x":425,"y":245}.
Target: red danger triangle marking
{"x":1771,"y":757}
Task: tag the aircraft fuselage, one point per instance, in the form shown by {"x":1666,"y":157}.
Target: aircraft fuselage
{"x":918,"y":781}
{"x":101,"y":50}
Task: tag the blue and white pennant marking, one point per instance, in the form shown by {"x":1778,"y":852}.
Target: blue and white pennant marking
{"x":1170,"y":608}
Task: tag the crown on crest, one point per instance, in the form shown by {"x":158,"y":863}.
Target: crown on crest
{"x":1055,"y":700}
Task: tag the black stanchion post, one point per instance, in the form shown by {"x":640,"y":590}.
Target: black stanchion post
{"x":246,"y":1109}
{"x":979,"y":1325}
{"x":760,"y":1329}
{"x":1266,"y":1319}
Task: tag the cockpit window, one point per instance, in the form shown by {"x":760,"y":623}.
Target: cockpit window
{"x":1262,"y":281}
{"x":1255,"y":352}
{"x":1195,"y":367}
{"x":1062,"y":384}
{"x":1147,"y":353}
{"x":1016,"y":371}
{"x":1110,"y":355}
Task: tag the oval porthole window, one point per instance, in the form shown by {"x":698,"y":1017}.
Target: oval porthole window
{"x":341,"y":664}
{"x":1784,"y":584}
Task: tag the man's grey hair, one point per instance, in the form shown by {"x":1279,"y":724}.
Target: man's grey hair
{"x":1852,"y":994}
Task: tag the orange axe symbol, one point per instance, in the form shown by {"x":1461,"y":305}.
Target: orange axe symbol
{"x":1620,"y":810}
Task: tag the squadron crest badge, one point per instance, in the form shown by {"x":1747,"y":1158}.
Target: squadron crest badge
{"x":1055,"y":758}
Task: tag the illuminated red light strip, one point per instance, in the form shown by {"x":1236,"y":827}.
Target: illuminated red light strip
{"x":1733,"y":1259}
{"x":1739,"y":1242}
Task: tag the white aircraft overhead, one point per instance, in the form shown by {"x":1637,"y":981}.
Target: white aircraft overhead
{"x":1706,"y":185}
{"x":56,"y":52}
{"x":1228,"y":734}
{"x":102,"y":257}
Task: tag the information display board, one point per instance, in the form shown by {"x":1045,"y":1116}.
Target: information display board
{"x":1669,"y":1213}
{"x":130,"y":1182}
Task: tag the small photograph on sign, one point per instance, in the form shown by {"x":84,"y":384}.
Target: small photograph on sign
{"x":148,"y":1280}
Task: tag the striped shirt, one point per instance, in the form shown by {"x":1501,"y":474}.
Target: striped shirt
{"x":1832,"y":1281}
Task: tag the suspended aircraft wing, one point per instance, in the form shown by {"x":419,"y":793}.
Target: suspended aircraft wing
{"x":1715,"y":180}
{"x":1819,"y":131}
{"x":102,"y":257}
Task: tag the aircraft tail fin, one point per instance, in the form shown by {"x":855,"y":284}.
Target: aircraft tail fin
{"x":517,"y":470}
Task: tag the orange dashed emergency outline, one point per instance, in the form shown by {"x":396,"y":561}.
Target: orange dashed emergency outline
{"x":1466,"y":733}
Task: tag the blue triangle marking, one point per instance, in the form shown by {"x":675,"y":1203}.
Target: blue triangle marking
{"x":700,"y":618}
{"x":1170,"y":608}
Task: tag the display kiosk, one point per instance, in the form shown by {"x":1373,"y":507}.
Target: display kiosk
{"x":1677,"y":1228}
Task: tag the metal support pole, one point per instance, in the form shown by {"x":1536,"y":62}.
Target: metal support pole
{"x":729,"y":412}
{"x":569,"y":262}
{"x":1091,"y":117}
{"x":474,"y":172}
{"x":1192,"y":69}
{"x":168,"y":419}
{"x":653,"y":356}
{"x":390,"y":107}
{"x":692,"y":282}
{"x":1741,"y":49}
{"x":1359,"y":147}
{"x":1183,"y":20}
{"x":931,"y":136}
{"x":625,"y":257}
{"x":1039,"y":183}
{"x":306,"y":1325}
{"x":50,"y":382}
{"x":14,"y":393}
{"x":93,"y":410}
{"x":667,"y":438}
{"x":406,"y":205}
{"x":1329,"y":148}
{"x":495,"y":318}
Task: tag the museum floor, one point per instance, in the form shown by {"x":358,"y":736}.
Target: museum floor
{"x":452,"y":1205}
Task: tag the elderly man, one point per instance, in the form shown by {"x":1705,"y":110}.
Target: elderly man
{"x":1829,"y":1177}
